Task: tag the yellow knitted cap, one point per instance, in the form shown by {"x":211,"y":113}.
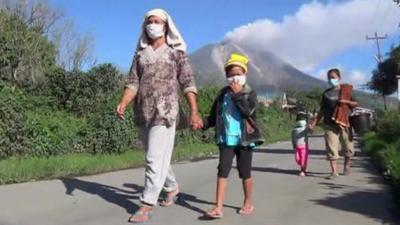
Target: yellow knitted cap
{"x":237,"y":60}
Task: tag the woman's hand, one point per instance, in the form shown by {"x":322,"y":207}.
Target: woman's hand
{"x":196,"y":122}
{"x":348,"y":102}
{"x":344,"y":101}
{"x":121,"y":107}
{"x":236,"y":87}
{"x":126,"y":98}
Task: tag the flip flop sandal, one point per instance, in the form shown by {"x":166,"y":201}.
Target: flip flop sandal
{"x":169,"y":200}
{"x":246,"y":210}
{"x":214,"y":214}
{"x":332,"y":176}
{"x":141,"y":214}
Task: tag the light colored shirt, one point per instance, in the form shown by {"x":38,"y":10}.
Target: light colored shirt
{"x":300,"y":135}
{"x":232,"y":120}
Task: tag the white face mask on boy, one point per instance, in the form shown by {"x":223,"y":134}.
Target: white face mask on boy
{"x":239,"y":79}
{"x":155,"y":31}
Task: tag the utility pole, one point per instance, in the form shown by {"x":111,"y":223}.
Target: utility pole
{"x":376,"y":38}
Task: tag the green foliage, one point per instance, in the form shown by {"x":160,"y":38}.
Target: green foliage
{"x":25,"y":55}
{"x":60,"y":129}
{"x":205,"y":99}
{"x":388,"y":126}
{"x":373,"y":144}
{"x":384,"y":147}
{"x":84,"y":93}
{"x":13,"y":131}
{"x":383,"y":78}
{"x":275,"y":124}
{"x":306,"y":100}
{"x":107,"y":134}
{"x":29,"y":126}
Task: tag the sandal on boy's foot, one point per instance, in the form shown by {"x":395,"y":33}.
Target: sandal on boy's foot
{"x":246,"y":210}
{"x":332,"y":176}
{"x":346,"y":171}
{"x":142,"y":215}
{"x":171,"y":198}
{"x":214,"y":214}
{"x":302,"y":174}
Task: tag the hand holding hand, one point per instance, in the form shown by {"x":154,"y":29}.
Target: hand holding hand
{"x":312,"y":124}
{"x":196,"y":122}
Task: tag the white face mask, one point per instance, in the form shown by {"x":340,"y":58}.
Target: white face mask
{"x":240,"y":79}
{"x":155,"y":31}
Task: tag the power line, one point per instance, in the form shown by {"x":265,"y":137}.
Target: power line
{"x":376,"y":38}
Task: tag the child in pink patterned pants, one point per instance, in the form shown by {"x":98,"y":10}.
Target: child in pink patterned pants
{"x":300,"y":143}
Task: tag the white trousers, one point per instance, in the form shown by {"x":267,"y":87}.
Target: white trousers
{"x":159,"y":144}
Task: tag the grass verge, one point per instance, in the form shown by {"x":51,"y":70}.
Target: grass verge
{"x":17,"y":170}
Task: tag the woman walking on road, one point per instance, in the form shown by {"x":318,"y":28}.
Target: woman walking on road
{"x":159,"y":67}
{"x":335,"y":107}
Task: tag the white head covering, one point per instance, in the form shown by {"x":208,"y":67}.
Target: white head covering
{"x":174,"y":38}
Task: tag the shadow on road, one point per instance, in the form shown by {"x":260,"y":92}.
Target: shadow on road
{"x":110,"y":194}
{"x":288,"y":151}
{"x":318,"y":152}
{"x":287,"y":171}
{"x":185,"y":200}
{"x":367,"y":203}
{"x":122,"y":197}
{"x":370,"y":203}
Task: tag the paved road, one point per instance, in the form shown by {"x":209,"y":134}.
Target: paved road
{"x":281,"y":197}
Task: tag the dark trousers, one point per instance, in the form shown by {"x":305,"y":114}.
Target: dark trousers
{"x":244,"y":156}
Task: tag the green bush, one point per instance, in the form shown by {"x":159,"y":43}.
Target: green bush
{"x":373,"y":144}
{"x":59,"y":128}
{"x":15,"y":136}
{"x":107,"y":134}
{"x":275,"y":124}
{"x":384,"y":147}
{"x":388,"y":126}
{"x":84,"y":93}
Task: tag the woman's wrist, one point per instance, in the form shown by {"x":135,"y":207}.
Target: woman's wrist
{"x":194,"y":112}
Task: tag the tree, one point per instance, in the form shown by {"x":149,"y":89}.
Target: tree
{"x":84,"y":93}
{"x":384,"y":79}
{"x":308,"y":100}
{"x":74,"y":50}
{"x":25,"y":55}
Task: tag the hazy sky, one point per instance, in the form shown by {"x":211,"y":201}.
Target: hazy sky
{"x":311,"y":35}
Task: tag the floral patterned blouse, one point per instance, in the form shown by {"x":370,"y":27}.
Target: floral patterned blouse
{"x":154,"y":78}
